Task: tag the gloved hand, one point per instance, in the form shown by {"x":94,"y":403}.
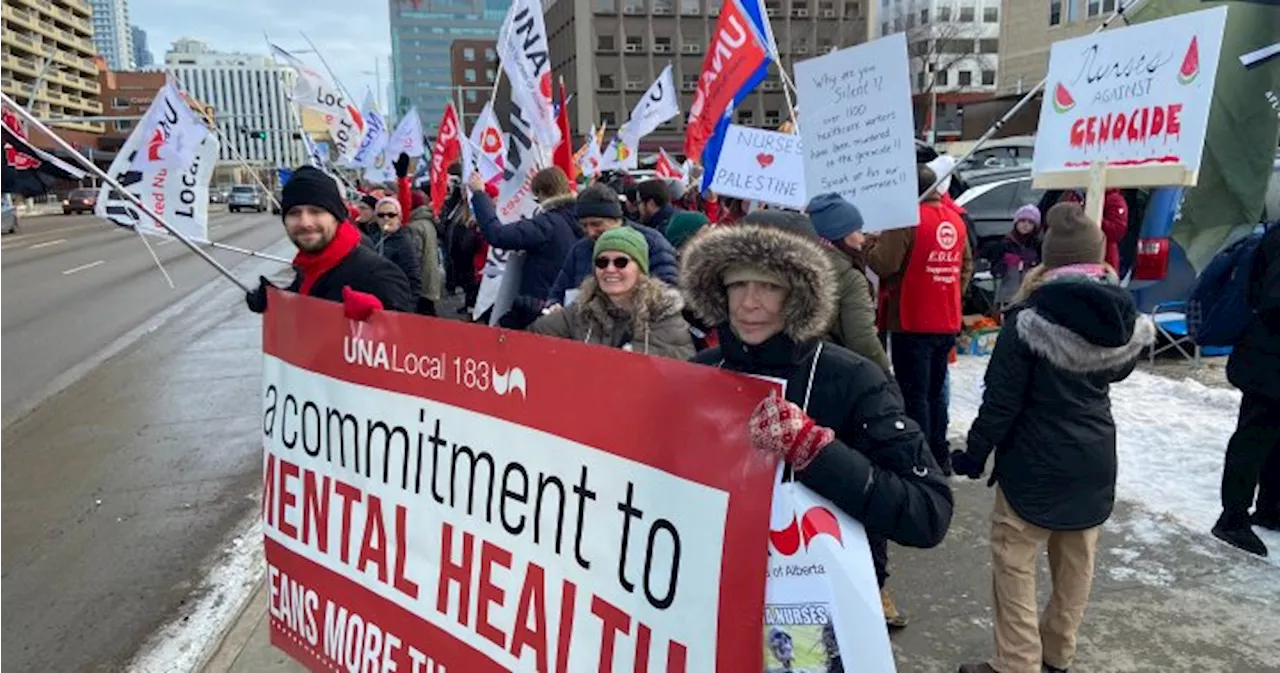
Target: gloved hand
{"x":965,"y":464}
{"x":257,"y":299}
{"x":402,"y":165}
{"x":780,"y":427}
{"x":359,"y":305}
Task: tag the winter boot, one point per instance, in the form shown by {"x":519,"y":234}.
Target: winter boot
{"x":1240,"y":536}
{"x":1046,"y":668}
{"x":892,"y":618}
{"x":1268,"y":520}
{"x":983,"y":667}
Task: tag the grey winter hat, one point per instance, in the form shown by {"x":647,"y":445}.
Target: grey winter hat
{"x":1072,"y":238}
{"x":598,"y":200}
{"x":833,"y":217}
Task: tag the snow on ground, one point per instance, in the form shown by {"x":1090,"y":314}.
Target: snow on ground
{"x":1171,"y":439}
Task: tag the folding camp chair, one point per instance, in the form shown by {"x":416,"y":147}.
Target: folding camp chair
{"x":1170,"y":319}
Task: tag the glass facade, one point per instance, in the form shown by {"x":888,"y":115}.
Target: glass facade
{"x":422,"y":31}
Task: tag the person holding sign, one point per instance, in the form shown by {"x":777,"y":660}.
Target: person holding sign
{"x":620,"y":305}
{"x":771,"y":295}
{"x":924,"y":271}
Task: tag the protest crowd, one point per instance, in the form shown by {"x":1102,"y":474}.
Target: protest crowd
{"x":851,"y":305}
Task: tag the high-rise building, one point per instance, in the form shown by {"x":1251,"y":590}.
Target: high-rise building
{"x":953,"y":51}
{"x":422,"y":33}
{"x":125,"y":94}
{"x":610,"y":51}
{"x":111,"y":35}
{"x":1028,"y":29}
{"x":46,"y":49}
{"x":141,"y":53}
{"x":475,"y":68}
{"x":248,"y":95}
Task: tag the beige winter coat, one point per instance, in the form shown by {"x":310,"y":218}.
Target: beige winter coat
{"x":654,"y":327}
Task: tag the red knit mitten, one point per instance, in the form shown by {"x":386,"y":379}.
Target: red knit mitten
{"x":359,"y":305}
{"x":785,"y":430}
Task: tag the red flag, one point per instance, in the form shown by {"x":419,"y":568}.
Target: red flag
{"x":665,"y":167}
{"x":737,"y":59}
{"x":446,"y":150}
{"x":563,"y":155}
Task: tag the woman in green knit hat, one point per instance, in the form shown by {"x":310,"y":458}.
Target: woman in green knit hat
{"x":683,"y":226}
{"x":619,"y":305}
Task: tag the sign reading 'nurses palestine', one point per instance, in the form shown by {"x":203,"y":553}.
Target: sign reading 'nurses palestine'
{"x":1136,"y":96}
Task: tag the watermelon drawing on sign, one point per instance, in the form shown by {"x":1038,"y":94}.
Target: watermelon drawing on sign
{"x":1190,"y":63}
{"x":1062,"y":100}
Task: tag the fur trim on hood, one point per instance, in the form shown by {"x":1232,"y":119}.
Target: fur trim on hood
{"x":654,"y":302}
{"x":806,"y":266}
{"x":556,"y":202}
{"x":1067,"y":350}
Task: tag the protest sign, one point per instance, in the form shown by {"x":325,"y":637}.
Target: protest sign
{"x":761,"y":165}
{"x":1132,"y":97}
{"x":429,"y":504}
{"x":856,"y":122}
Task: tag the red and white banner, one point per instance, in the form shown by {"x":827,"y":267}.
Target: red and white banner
{"x":435,"y":498}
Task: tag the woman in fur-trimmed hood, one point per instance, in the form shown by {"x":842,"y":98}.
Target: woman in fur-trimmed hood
{"x":1046,"y":414}
{"x":619,"y":305}
{"x":772,"y":295}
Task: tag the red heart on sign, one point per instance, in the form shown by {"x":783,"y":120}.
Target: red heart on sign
{"x":765,"y":160}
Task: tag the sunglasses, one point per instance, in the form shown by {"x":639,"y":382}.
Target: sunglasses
{"x":618,"y":262}
{"x":387,"y":216}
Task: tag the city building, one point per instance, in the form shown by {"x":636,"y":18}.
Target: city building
{"x":112,"y":36}
{"x":474,"y":64}
{"x":46,"y":49}
{"x":1027,"y":29}
{"x":610,"y":51}
{"x":124,"y":94}
{"x":141,"y":52}
{"x":953,"y":48}
{"x":248,"y":94}
{"x":422,"y":34}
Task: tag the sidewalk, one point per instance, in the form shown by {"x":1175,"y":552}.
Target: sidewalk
{"x":1166,"y":596}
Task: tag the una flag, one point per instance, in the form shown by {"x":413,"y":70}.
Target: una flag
{"x":408,"y":136}
{"x":379,"y":169}
{"x":522,"y":47}
{"x":590,"y":159}
{"x":666,"y":167}
{"x":487,"y":146}
{"x":313,"y":90}
{"x":177,"y":193}
{"x":171,"y":130}
{"x":29,"y":170}
{"x":658,"y":105}
{"x":375,"y":136}
{"x":443,"y":154}
{"x":736,"y":62}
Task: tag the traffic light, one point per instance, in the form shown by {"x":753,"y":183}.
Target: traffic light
{"x":258,"y":135}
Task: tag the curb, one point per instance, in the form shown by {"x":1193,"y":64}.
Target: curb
{"x":231,"y":644}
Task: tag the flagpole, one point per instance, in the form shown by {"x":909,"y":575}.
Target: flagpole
{"x":325,"y":63}
{"x":124,"y":193}
{"x":250,"y":253}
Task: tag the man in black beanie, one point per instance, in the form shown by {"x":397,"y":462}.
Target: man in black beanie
{"x":331,"y":264}
{"x":367,"y":222}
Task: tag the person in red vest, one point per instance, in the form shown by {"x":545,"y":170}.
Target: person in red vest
{"x":923,"y":272}
{"x":1115,"y":220}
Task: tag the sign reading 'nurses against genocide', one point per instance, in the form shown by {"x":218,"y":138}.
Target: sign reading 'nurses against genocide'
{"x":761,"y":165}
{"x":429,"y":503}
{"x":855,"y":118}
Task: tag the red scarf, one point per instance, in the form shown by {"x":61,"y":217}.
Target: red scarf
{"x":313,"y":265}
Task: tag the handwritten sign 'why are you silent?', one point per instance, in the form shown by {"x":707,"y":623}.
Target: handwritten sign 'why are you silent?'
{"x":858,"y":130}
{"x":1137,"y":96}
{"x":762,"y":166}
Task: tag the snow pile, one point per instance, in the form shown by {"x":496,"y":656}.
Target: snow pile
{"x":1172,"y":436}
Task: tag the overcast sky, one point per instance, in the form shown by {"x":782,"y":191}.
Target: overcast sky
{"x":351,"y":34}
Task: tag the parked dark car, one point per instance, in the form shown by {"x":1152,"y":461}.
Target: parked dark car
{"x":275,"y":202}
{"x":80,"y":201}
{"x":246,"y":197}
{"x":992,"y":198}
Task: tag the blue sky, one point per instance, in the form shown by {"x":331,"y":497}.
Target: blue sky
{"x":352,"y":34}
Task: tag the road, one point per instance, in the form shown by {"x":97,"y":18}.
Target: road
{"x":122,"y":491}
{"x":72,"y":285}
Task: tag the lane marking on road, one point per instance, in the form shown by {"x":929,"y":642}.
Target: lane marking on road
{"x":82,"y":267}
{"x":165,"y":242}
{"x":46,"y":244}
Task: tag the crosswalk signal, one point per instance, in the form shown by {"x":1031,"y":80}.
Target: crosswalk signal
{"x":258,"y":135}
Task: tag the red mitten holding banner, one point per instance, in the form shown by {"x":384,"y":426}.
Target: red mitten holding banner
{"x":780,"y":427}
{"x":492,"y":191}
{"x":359,"y":305}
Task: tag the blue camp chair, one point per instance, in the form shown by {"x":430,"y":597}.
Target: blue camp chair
{"x":1170,"y":319}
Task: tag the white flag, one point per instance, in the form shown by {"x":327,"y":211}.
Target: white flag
{"x":171,"y":131}
{"x":375,"y":135}
{"x":179,"y":194}
{"x":313,"y":90}
{"x":522,"y":48}
{"x":621,"y":153}
{"x":408,"y":136}
{"x":592,"y":160}
{"x":380,"y":169}
{"x":515,"y":202}
{"x":486,"y":137}
{"x":659,"y":104}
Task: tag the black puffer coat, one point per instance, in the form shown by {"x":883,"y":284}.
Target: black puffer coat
{"x":879,"y":469}
{"x":403,"y":248}
{"x":1254,"y":366}
{"x":545,"y":237}
{"x":1046,"y":409}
